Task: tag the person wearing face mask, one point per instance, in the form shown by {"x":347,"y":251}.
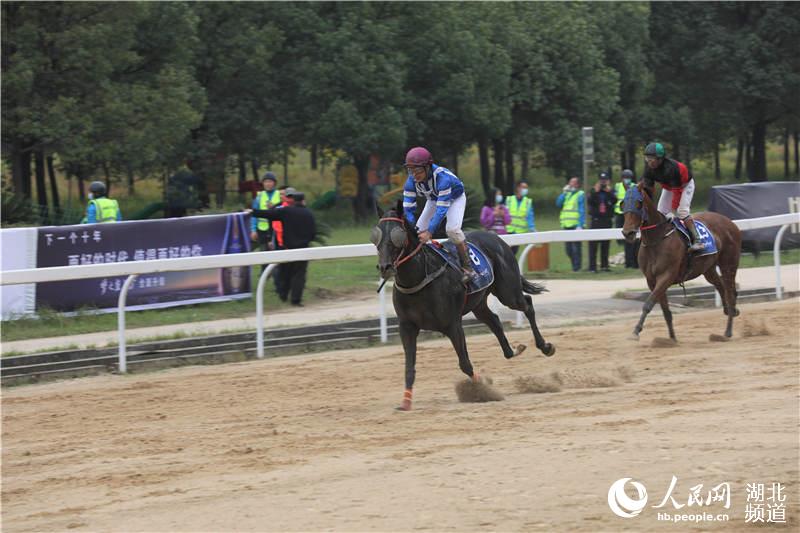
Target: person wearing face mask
{"x":101,"y":209}
{"x":572,"y":203}
{"x":620,"y":188}
{"x":520,"y":207}
{"x":494,"y":214}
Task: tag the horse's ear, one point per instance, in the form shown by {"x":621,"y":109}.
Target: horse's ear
{"x":399,"y":207}
{"x":378,"y":210}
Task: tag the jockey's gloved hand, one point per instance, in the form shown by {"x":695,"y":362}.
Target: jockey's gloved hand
{"x":670,"y":216}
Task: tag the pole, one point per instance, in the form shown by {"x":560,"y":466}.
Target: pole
{"x":122,"y":357}
{"x":260,"y":310}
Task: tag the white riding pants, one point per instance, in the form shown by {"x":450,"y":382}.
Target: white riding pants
{"x":455,"y":216}
{"x":685,"y":205}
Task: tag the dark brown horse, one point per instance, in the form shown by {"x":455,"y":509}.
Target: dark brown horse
{"x":428,"y":295}
{"x":663,"y":255}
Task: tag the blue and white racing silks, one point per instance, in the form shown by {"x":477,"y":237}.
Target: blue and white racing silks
{"x":442,"y":187}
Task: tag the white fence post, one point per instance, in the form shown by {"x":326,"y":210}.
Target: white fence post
{"x":522,"y":258}
{"x":122,"y":357}
{"x":776,"y":254}
{"x":260,"y":310}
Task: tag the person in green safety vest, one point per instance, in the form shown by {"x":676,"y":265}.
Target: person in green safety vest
{"x":572,"y":203}
{"x":260,"y":229}
{"x":620,"y":188}
{"x":520,"y":207}
{"x":101,"y":209}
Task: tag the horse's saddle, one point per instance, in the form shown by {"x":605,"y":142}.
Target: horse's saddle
{"x":710,"y":245}
{"x":483,"y":269}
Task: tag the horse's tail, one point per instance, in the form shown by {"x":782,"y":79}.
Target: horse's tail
{"x":532,"y":288}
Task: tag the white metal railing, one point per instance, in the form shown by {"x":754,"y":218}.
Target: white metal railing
{"x":134,"y":268}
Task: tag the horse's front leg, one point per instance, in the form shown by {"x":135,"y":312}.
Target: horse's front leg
{"x":667,"y":315}
{"x":456,"y":336}
{"x":408,"y":334}
{"x":657,"y":290}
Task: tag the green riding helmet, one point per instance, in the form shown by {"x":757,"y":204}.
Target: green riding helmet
{"x":654,"y":149}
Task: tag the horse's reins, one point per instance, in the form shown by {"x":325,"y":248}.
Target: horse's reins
{"x":402,"y":259}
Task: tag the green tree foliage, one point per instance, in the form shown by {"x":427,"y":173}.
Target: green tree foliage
{"x":138,"y":88}
{"x":97,"y":83}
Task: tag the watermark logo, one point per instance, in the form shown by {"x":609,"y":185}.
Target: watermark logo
{"x":623,"y":505}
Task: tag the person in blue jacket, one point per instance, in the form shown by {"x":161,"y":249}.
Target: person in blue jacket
{"x":101,"y":209}
{"x":445,"y":196}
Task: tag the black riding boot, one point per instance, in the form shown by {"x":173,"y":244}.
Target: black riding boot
{"x":696,"y":245}
{"x":466,"y":263}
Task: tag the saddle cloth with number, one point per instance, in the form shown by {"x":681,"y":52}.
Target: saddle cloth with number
{"x":483,"y":269}
{"x":710,"y":245}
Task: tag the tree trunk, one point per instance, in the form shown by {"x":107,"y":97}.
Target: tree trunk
{"x":748,"y":158}
{"x":509,"y":153}
{"x":51,"y":173}
{"x":25,"y":168}
{"x":107,"y":172}
{"x":81,"y":186}
{"x":242,"y":168}
{"x":41,"y":184}
{"x":254,"y":164}
{"x":632,"y":157}
{"x":361,"y":201}
{"x":717,"y":172}
{"x":483,"y":156}
{"x":623,"y":162}
{"x":737,"y":173}
{"x":16,"y":168}
{"x":131,"y":179}
{"x":524,"y":164}
{"x":688,"y":159}
{"x":286,"y":166}
{"x":499,"y":179}
{"x":796,"y":156}
{"x":786,"y":153}
{"x":759,"y":152}
{"x":313,"y":156}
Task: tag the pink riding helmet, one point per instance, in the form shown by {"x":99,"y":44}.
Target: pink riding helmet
{"x":418,"y":157}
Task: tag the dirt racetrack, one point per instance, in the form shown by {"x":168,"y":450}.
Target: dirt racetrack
{"x":312,"y":443}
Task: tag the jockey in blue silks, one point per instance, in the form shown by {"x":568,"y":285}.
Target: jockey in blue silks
{"x":445,"y":196}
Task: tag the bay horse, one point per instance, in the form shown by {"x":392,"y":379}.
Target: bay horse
{"x":664,"y":261}
{"x":429,"y":295}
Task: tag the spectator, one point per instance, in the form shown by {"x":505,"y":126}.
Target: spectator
{"x":494,"y":214}
{"x":602,"y":201}
{"x":101,"y":209}
{"x":520,"y":207}
{"x":572,"y":216}
{"x":260,"y":229}
{"x":620,"y":189}
{"x":299,"y":229}
{"x":277,"y":239}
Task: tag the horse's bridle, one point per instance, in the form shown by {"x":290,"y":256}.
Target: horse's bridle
{"x":401,"y":258}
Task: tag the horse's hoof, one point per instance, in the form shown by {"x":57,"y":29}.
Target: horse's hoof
{"x":718,"y":338}
{"x":403,"y":407}
{"x":549,"y":350}
{"x":519,"y":349}
{"x":633,"y":337}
